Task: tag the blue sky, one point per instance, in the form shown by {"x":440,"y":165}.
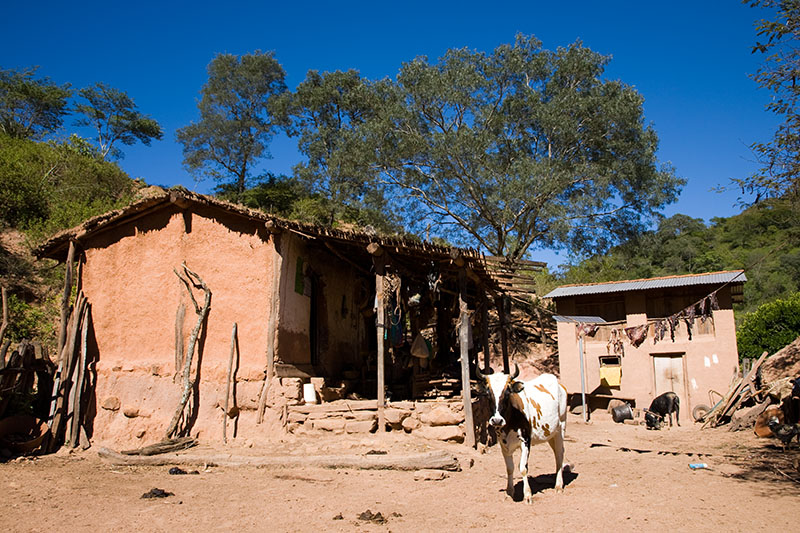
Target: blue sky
{"x":690,"y":61}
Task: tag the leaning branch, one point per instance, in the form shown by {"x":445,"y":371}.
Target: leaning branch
{"x":191,"y":280}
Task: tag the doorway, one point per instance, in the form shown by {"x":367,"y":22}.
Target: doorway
{"x":669,"y":376}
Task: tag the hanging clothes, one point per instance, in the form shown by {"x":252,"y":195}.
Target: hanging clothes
{"x":587,"y":330}
{"x":637,"y":334}
{"x":673,"y":325}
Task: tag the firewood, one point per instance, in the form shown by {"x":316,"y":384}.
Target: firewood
{"x":78,"y":385}
{"x":62,"y":384}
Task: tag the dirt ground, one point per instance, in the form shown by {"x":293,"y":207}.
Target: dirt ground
{"x":752,"y":486}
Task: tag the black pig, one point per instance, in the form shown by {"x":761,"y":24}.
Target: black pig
{"x":662,"y":405}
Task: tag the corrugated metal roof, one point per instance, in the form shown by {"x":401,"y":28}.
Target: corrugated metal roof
{"x":577,"y":319}
{"x":710,"y":278}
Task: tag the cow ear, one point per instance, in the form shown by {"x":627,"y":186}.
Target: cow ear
{"x":517,"y":386}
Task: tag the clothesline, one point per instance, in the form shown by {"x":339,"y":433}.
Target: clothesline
{"x":638,"y":334}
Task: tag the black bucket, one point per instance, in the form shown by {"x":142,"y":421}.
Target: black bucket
{"x":622,"y":412}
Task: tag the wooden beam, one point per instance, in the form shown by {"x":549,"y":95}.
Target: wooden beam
{"x":463,"y":337}
{"x":500,"y":301}
{"x":485,"y":332}
{"x":179,"y":199}
{"x":272,"y":227}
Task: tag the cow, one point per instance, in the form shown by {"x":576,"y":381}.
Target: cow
{"x":661,"y":406}
{"x":527,"y":413}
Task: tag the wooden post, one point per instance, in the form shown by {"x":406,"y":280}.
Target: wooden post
{"x":381,"y":362}
{"x":541,"y":326}
{"x":500,"y":301}
{"x":272,"y":322}
{"x":463,"y":336}
{"x":377,"y":252}
{"x":62,"y":331}
{"x":485,"y":332}
{"x":234,"y":349}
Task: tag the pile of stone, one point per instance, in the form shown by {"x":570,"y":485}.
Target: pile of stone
{"x":436,"y":420}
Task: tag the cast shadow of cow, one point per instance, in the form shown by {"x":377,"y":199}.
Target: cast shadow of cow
{"x":541,"y":483}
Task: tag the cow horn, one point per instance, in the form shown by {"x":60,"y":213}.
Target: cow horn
{"x":516,"y":371}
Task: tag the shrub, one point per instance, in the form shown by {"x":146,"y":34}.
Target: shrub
{"x":770,"y":327}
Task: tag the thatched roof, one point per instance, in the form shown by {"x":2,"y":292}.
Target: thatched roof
{"x":492,"y":272}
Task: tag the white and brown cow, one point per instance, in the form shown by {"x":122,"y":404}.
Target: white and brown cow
{"x":527,"y":413}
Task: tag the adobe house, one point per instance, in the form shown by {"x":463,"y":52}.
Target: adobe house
{"x":305,"y":300}
{"x":640,"y":338}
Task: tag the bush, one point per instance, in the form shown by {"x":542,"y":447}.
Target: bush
{"x":770,"y":327}
{"x":26,"y":321}
{"x":46,"y":187}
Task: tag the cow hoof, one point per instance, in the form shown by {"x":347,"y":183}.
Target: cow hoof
{"x":559,"y":489}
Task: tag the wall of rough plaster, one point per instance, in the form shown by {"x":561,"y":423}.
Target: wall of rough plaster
{"x":711,"y":357}
{"x":337,"y":308}
{"x":129,"y":281}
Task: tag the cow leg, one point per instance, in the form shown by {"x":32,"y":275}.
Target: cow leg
{"x":508,"y":456}
{"x":525,"y":450}
{"x":678,"y":414}
{"x":557,"y":444}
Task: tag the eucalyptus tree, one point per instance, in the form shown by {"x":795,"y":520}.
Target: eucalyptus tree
{"x":31,"y":107}
{"x":519,"y":148}
{"x":235,"y":125}
{"x":779,"y":41}
{"x":116,"y":119}
{"x":330,"y":114}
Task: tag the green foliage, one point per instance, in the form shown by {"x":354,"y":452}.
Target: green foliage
{"x":291,"y":198}
{"x":329,"y":113}
{"x":780,"y":158}
{"x":515,"y":149}
{"x":770,"y":327}
{"x":114,"y":115}
{"x":235,"y":125}
{"x":26,"y":321}
{"x":764,"y":240}
{"x":46,"y":187}
{"x":30,"y":108}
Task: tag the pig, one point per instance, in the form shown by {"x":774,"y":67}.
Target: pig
{"x":662,"y":405}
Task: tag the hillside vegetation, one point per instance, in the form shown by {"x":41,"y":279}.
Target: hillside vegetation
{"x":764,"y":240}
{"x":46,"y":187}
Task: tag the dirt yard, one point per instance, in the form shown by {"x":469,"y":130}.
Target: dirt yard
{"x":752,"y":486}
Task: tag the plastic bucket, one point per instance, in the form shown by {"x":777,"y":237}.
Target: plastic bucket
{"x":622,"y":412}
{"x":309,"y":393}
